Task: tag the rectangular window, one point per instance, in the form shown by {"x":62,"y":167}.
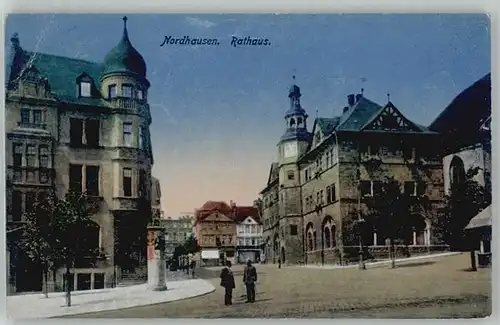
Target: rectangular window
{"x":127,"y":134}
{"x":75,"y":132}
{"x":84,"y":89}
{"x":421,"y":188}
{"x":17,"y":205}
{"x":373,"y":150}
{"x":112,"y":91}
{"x":140,"y":94}
{"x":331,"y":195}
{"x":92,"y":180}
{"x":75,"y":178}
{"x":290,"y":175}
{"x":410,"y":189}
{"x":17,"y":158}
{"x":408,"y":153}
{"x":37,"y":116}
{"x":31,"y":155}
{"x":44,"y":176}
{"x":126,"y":91}
{"x":92,"y":133}
{"x":25,"y":116}
{"x":293,"y":230}
{"x":30,"y":176}
{"x":127,"y":182}
{"x":44,"y":156}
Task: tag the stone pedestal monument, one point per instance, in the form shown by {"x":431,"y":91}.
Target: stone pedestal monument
{"x":156,"y":257}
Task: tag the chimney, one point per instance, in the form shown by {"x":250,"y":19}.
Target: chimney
{"x":232,"y":204}
{"x":350,"y":99}
{"x":358,"y":97}
{"x":345,"y":109}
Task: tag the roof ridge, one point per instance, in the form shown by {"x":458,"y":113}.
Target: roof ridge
{"x":62,"y":57}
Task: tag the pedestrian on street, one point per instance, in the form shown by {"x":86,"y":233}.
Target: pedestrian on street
{"x":249,"y":278}
{"x":279,"y":263}
{"x":227,"y":281}
{"x":193,"y":266}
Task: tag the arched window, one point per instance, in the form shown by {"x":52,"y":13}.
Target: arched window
{"x":457,"y":171}
{"x":327,"y":237}
{"x":292,"y":122}
{"x":299,"y":121}
{"x":311,"y":237}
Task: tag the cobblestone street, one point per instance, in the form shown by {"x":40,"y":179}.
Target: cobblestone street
{"x":438,"y":287}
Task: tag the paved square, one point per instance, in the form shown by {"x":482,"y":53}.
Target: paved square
{"x":428,"y":288}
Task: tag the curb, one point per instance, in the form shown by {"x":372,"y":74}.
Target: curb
{"x":375,"y":264}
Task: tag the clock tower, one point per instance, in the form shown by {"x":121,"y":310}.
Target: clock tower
{"x":292,"y":145}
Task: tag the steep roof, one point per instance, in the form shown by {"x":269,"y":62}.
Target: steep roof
{"x":358,"y":115}
{"x":247,"y":211}
{"x":327,"y":125}
{"x":468,"y":111}
{"x":211,"y":206}
{"x":62,"y":74}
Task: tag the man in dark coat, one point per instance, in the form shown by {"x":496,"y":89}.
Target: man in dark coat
{"x":227,"y":281}
{"x":249,"y":278}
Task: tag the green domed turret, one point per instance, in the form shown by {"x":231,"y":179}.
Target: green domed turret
{"x":124,"y":58}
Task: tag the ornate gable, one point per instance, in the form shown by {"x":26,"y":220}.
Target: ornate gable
{"x":217,"y":216}
{"x":390,"y":119}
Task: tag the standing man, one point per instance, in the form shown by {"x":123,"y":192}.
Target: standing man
{"x":227,"y":281}
{"x":249,"y":278}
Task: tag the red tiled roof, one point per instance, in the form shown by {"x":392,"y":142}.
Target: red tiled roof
{"x":211,"y":206}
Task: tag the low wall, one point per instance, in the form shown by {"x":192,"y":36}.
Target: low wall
{"x":351,"y":253}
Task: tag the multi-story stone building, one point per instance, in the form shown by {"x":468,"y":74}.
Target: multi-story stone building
{"x":177,"y":231}
{"x":319,"y":186}
{"x":249,"y":235}
{"x":78,"y":125}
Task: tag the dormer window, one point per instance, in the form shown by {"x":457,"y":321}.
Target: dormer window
{"x":127,"y":91}
{"x":112,"y":91}
{"x":85,"y":87}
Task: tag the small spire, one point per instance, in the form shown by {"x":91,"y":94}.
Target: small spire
{"x":125,"y":32}
{"x":362,"y":91}
{"x":388,"y":97}
{"x":317,"y":113}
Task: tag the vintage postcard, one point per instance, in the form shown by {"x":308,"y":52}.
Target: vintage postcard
{"x":248,"y":165}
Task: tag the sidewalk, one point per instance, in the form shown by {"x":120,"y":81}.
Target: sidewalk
{"x":374,"y":264}
{"x":34,"y":306}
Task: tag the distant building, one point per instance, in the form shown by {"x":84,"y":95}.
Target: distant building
{"x":78,"y":125}
{"x":216,"y":224}
{"x":249,"y":235}
{"x":177,"y":231}
{"x":318,"y":188}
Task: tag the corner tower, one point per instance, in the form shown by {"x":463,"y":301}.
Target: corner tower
{"x":292,"y":145}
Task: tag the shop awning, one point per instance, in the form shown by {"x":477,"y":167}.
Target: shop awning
{"x":483,"y":219}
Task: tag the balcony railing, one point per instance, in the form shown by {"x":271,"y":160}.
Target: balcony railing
{"x":28,"y":125}
{"x":126,"y":203}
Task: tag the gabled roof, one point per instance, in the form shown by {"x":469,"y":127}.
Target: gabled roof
{"x":273,"y":173}
{"x":468,"y":111}
{"x":358,"y":115}
{"x":405,"y":125}
{"x":327,"y":125}
{"x":242,"y":212}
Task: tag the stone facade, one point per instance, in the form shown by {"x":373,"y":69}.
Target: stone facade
{"x":83,"y":126}
{"x":322,"y":179}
